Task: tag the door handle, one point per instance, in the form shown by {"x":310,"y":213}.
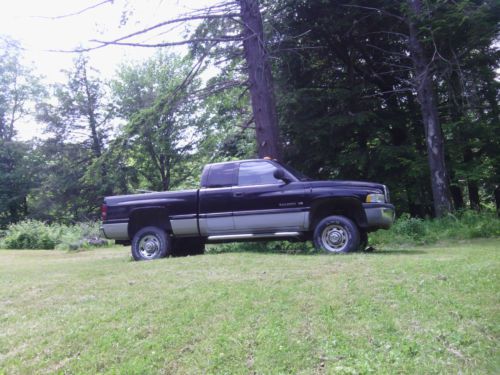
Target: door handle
{"x":238,"y":195}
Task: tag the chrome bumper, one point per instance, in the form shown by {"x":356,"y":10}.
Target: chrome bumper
{"x":379,"y":216}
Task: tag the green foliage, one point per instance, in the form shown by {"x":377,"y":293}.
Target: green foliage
{"x":161,"y":133}
{"x":72,"y":178}
{"x":347,"y":110}
{"x":18,"y":87}
{"x":78,"y":108}
{"x":30,"y":234}
{"x":62,"y":193}
{"x":18,"y":90}
{"x":16,"y":180}
{"x":33,"y":234}
{"x":228,"y":114}
{"x":463,"y":225}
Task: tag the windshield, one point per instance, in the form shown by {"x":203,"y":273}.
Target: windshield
{"x":297,"y":174}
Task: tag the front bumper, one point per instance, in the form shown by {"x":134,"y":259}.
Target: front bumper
{"x":379,"y":215}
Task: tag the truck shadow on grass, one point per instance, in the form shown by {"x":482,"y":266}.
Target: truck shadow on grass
{"x":270,"y":249}
{"x":372,"y":253}
{"x":398,"y":252}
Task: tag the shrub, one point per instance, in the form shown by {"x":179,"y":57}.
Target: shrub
{"x":412,"y":228}
{"x":32,"y":234}
{"x":460,"y":226}
{"x":29,"y":234}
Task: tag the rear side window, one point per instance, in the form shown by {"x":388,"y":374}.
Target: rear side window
{"x":257,"y":173}
{"x":220,"y":175}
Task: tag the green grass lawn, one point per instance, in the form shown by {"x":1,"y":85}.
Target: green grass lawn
{"x":417,"y":311}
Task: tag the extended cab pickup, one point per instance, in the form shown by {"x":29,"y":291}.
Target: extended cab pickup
{"x":248,"y":200}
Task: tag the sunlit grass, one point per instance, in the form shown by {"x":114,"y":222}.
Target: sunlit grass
{"x":415,"y":311}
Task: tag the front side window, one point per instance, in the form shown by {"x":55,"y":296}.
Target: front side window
{"x":257,"y":173}
{"x":221,"y":175}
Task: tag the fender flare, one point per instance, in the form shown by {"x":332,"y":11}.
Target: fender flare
{"x":348,"y":206}
{"x":148,"y":216}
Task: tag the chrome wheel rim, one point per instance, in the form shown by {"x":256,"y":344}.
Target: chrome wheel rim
{"x":149,"y":246}
{"x":334,"y":238}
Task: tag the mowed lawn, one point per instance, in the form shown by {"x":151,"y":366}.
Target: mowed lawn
{"x":419,"y":310}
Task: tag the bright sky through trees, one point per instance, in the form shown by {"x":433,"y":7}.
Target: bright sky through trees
{"x":46,"y":26}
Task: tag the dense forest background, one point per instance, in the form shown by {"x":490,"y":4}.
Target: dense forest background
{"x":359,"y":87}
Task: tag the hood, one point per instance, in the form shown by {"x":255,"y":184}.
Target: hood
{"x":358,"y":189}
{"x":369,"y":187}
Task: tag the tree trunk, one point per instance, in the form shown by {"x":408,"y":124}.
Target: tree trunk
{"x":471,"y":184}
{"x":458,"y":199}
{"x":96,"y":144}
{"x":428,"y":106}
{"x":164,"y":171}
{"x":496,"y":194}
{"x":261,"y":83}
{"x":473,"y":195}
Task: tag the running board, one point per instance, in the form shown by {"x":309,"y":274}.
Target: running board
{"x":252,"y":235}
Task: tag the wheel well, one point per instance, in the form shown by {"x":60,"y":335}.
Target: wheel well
{"x":348,"y":207}
{"x":145,"y":217}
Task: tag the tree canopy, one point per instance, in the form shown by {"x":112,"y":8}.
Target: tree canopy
{"x":404,"y":93}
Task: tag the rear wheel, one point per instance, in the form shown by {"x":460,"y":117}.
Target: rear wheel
{"x":336,"y":234}
{"x":150,"y":243}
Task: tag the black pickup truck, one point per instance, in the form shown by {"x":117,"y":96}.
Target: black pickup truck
{"x":248,"y":200}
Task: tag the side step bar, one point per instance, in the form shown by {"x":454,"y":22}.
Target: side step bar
{"x":252,"y":235}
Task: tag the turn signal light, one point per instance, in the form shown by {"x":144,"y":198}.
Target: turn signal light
{"x":104,"y":212}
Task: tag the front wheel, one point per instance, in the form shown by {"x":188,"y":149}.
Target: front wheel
{"x":336,"y":234}
{"x":150,"y":243}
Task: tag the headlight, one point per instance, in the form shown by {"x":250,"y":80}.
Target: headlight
{"x":375,"y":198}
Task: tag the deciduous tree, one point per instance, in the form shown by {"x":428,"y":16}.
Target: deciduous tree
{"x":157,"y":101}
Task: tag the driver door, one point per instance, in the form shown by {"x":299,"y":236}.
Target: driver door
{"x":264,"y":204}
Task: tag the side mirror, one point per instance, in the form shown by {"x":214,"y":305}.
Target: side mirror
{"x":279,"y":174}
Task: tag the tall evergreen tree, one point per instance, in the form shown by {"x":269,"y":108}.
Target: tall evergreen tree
{"x":19,"y":88}
{"x":78,"y":121}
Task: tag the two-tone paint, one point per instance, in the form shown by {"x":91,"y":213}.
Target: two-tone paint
{"x":285,"y":208}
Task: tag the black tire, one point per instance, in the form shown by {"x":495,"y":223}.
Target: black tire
{"x":336,"y":234}
{"x":150,"y":243}
{"x":187,"y":246}
{"x":363,"y":240}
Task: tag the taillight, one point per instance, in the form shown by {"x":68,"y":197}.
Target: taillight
{"x":104,"y":212}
